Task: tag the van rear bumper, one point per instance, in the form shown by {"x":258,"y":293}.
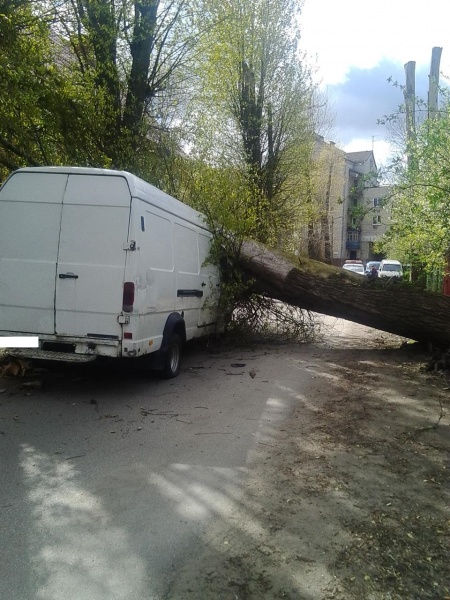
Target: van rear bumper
{"x":34,"y":353}
{"x":67,"y":348}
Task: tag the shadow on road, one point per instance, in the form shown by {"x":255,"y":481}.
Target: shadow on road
{"x":296,"y":471}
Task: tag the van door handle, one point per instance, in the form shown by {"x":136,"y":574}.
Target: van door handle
{"x":68,"y":276}
{"x":190,"y":293}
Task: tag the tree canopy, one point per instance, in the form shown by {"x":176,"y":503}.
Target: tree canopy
{"x":252,"y":109}
{"x":88,"y":82}
{"x":211,"y":101}
{"x":420,"y":205}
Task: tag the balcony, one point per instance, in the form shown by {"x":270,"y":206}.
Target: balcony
{"x":353,"y":240}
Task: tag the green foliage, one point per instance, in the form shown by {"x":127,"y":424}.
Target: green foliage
{"x":22,"y":61}
{"x":117,"y":85}
{"x":252,"y":106}
{"x":85,"y":82}
{"x":222,"y":196}
{"x":47,"y":115}
{"x":420,"y":214}
{"x":357,"y":213}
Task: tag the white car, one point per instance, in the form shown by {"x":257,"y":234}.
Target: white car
{"x":390,"y":269}
{"x":359,"y":269}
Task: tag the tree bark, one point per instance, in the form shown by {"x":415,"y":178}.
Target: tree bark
{"x":146,"y":21}
{"x":382,"y":304}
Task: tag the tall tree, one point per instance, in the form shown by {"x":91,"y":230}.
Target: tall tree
{"x":256,"y":96}
{"x":134,"y":51}
{"x":420,"y":215}
{"x":23,"y":63}
{"x":101,"y":73}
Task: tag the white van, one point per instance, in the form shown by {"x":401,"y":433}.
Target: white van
{"x":390,"y":269}
{"x":100,"y":263}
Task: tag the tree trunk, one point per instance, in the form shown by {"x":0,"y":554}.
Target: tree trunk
{"x":382,"y":304}
{"x":146,"y":16}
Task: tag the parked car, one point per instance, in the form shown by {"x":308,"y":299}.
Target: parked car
{"x":371,"y":264}
{"x":354,"y":267}
{"x":390,"y":269}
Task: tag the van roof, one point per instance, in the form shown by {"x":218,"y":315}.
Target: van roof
{"x":138,"y":188}
{"x":135,"y":183}
{"x":77,"y":170}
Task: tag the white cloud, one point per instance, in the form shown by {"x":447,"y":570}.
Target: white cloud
{"x":357,"y":45}
{"x":344,"y":33}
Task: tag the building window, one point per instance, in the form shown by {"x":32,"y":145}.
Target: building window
{"x":352,"y":236}
{"x":376,"y":202}
{"x":376,"y":220}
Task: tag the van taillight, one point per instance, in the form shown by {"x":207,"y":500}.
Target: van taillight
{"x":128,"y":296}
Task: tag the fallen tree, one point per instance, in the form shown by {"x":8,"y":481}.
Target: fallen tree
{"x":382,"y":304}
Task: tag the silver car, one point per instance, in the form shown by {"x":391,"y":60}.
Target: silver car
{"x":359,"y":269}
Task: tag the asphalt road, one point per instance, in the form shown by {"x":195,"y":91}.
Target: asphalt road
{"x":110,"y":475}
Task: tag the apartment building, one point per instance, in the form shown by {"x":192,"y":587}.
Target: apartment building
{"x":360,"y":217}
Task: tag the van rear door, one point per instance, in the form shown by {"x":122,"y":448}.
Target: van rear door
{"x":91,"y":257}
{"x":30,"y":217}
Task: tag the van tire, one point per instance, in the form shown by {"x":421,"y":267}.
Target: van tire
{"x":172,"y":359}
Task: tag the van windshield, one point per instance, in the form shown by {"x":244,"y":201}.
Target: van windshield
{"x":392,"y":268}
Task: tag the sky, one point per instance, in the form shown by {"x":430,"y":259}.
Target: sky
{"x":357,"y":45}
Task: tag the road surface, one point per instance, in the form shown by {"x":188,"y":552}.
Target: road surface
{"x":110,"y":475}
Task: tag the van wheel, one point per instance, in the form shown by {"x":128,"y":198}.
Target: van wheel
{"x":172,"y":360}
